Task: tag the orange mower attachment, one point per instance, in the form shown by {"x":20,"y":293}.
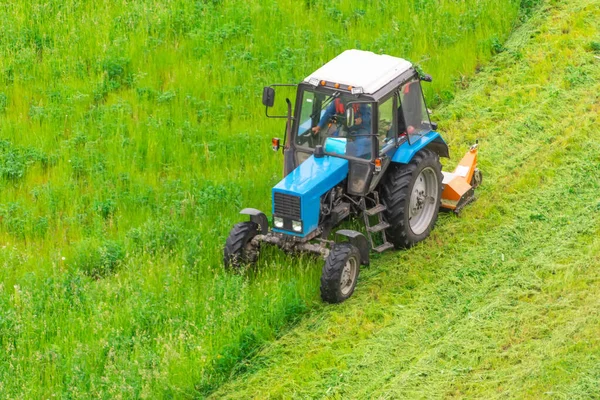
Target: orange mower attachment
{"x":459,"y":186}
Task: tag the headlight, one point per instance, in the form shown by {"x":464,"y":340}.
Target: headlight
{"x":297,"y":226}
{"x":278,"y":222}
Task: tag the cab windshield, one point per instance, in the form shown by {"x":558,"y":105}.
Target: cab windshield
{"x":339,"y":123}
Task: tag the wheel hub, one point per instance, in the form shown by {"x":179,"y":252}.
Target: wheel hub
{"x":348,"y":276}
{"x":422,"y":201}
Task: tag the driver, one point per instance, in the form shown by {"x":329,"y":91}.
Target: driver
{"x":361,"y":145}
{"x":362,"y":115}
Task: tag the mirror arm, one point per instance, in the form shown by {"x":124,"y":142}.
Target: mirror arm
{"x":271,"y":116}
{"x":267,"y":108}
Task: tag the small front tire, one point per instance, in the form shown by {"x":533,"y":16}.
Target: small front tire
{"x":239,"y":250}
{"x":340,"y":273}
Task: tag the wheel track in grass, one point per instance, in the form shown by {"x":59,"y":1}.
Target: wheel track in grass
{"x":406,"y":324}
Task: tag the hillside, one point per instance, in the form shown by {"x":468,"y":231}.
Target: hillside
{"x":131,"y":134}
{"x":504,"y":301}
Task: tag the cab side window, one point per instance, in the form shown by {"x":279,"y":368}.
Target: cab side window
{"x":386,"y":133}
{"x":413,"y":117}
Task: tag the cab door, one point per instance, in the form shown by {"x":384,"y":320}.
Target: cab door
{"x":414,"y":117}
{"x":387,"y":126}
{"x":388,"y":113}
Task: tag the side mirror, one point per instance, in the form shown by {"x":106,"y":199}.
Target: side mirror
{"x":268,"y":98}
{"x":426,"y":78}
{"x":350,"y":117}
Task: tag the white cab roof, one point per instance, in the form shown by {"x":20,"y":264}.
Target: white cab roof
{"x":360,"y":68}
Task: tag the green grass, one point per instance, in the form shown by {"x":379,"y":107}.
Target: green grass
{"x":503,"y":301}
{"x":131,"y":133}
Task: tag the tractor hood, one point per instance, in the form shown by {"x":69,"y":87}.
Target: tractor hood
{"x":298,"y":196}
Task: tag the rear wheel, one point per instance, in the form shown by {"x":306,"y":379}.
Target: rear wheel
{"x":412,"y":194}
{"x":340,"y":273}
{"x":239,"y":249}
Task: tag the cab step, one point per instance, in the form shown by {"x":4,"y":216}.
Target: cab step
{"x":383,"y":247}
{"x":375,"y":210}
{"x":379,"y":227}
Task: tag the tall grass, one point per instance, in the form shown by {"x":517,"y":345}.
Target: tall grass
{"x":131,"y":133}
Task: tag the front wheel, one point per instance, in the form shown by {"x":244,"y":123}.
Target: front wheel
{"x":340,"y":273}
{"x":239,"y":249}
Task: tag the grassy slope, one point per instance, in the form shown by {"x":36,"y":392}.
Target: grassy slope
{"x":131,"y":134}
{"x":502,"y":302}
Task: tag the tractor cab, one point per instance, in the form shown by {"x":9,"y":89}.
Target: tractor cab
{"x":359,"y":106}
{"x":370,"y":126}
{"x":359,"y":143}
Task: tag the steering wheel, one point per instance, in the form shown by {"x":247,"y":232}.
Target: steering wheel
{"x":305,"y":137}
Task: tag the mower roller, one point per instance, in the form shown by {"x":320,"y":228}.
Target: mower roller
{"x":359,"y":144}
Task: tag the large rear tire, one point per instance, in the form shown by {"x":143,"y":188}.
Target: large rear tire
{"x":412,"y":194}
{"x":238,"y":249}
{"x":340,"y":273}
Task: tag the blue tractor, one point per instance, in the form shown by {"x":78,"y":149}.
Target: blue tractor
{"x":359,"y":144}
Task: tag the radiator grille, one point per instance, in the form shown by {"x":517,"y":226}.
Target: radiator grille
{"x":287,"y":205}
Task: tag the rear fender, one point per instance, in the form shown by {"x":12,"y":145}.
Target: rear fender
{"x":432,"y":141}
{"x":258,"y":217}
{"x":359,"y":241}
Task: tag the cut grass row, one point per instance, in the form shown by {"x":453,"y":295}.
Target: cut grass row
{"x":502,"y":302}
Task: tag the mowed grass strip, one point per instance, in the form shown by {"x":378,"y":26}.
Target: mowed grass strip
{"x":503,"y":301}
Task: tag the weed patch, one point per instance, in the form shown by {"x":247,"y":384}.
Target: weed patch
{"x":98,"y":259}
{"x":14,"y":160}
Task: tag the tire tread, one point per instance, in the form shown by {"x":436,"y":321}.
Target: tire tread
{"x":234,"y":251}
